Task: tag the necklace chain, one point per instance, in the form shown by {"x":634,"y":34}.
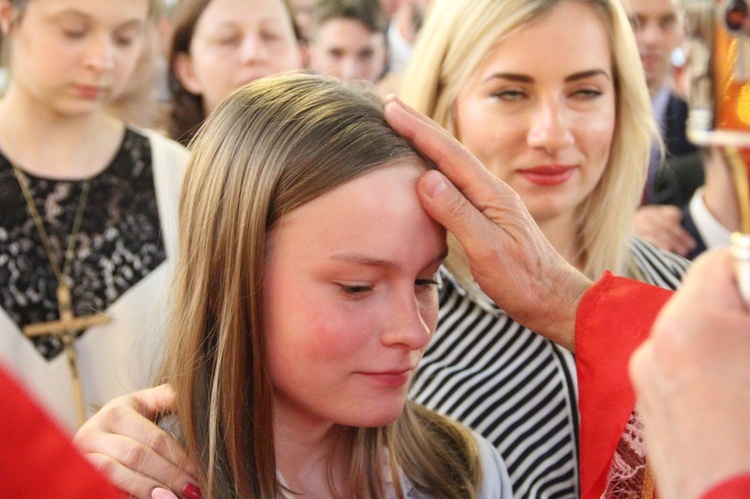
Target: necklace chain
{"x":63,"y":276}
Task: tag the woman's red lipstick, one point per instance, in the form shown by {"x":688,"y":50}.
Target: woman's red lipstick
{"x":547,"y":174}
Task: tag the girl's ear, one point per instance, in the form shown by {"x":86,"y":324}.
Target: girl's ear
{"x":6,"y":16}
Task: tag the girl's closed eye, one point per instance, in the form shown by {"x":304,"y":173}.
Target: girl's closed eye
{"x":355,"y":290}
{"x":124,"y":40}
{"x":72,"y":26}
{"x":73,"y":33}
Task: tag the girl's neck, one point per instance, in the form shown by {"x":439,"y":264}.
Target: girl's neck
{"x":562,"y":233}
{"x":46,"y":143}
{"x":304,"y":454}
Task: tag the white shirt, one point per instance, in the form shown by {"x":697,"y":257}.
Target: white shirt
{"x":711,"y":231}
{"x":399,"y":50}
{"x":495,"y":479}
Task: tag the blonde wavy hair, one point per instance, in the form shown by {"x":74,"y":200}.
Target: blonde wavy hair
{"x":455,"y":38}
{"x":268,"y":149}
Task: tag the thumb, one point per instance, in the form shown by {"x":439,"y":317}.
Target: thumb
{"x":159,"y":493}
{"x":447,"y":205}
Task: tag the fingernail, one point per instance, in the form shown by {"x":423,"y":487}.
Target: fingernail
{"x":394,"y":104}
{"x":159,"y":493}
{"x":434,"y":184}
{"x":192,"y":492}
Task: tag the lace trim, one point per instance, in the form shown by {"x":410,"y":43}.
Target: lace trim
{"x":628,"y":475}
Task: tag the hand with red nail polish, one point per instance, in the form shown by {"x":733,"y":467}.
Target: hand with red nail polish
{"x":123,"y":442}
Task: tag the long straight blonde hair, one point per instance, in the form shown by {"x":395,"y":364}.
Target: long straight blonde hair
{"x":270,"y":148}
{"x":454,"y":40}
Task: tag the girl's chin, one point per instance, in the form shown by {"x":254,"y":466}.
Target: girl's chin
{"x":373,"y":419}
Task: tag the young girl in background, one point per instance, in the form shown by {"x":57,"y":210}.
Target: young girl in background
{"x":87,"y":224}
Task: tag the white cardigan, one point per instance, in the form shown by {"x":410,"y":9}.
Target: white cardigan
{"x":122,"y":355}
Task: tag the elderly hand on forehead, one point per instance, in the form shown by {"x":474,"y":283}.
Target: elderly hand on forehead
{"x":510,"y":258}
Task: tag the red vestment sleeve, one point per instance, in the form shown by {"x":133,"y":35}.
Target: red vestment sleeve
{"x":733,"y":488}
{"x":37,"y":459}
{"x":614,"y":317}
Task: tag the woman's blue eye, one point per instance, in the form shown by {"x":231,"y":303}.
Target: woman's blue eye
{"x":509,"y":95}
{"x":589,"y":93}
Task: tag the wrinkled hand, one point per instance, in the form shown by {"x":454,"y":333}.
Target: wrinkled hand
{"x":123,"y":443}
{"x":660,"y":225}
{"x":692,"y":378}
{"x":510,"y":258}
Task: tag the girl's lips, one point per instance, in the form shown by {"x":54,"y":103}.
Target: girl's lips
{"x":391,"y":379}
{"x":89,"y":91}
{"x":547,"y":174}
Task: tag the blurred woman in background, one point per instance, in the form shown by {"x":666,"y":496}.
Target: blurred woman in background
{"x":221,"y":45}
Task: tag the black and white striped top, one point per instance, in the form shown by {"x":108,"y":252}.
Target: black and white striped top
{"x":514,"y":387}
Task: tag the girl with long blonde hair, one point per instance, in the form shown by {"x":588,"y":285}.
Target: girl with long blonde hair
{"x":305,"y":295}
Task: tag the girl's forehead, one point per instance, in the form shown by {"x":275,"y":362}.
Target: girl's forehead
{"x":109,"y":11}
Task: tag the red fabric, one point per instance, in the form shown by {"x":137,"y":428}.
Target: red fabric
{"x":614,"y":317}
{"x":37,"y":459}
{"x":734,"y":488}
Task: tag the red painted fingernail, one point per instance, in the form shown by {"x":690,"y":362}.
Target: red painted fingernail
{"x":192,"y":492}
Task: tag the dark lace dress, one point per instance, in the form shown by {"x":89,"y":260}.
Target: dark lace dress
{"x":120,"y":244}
